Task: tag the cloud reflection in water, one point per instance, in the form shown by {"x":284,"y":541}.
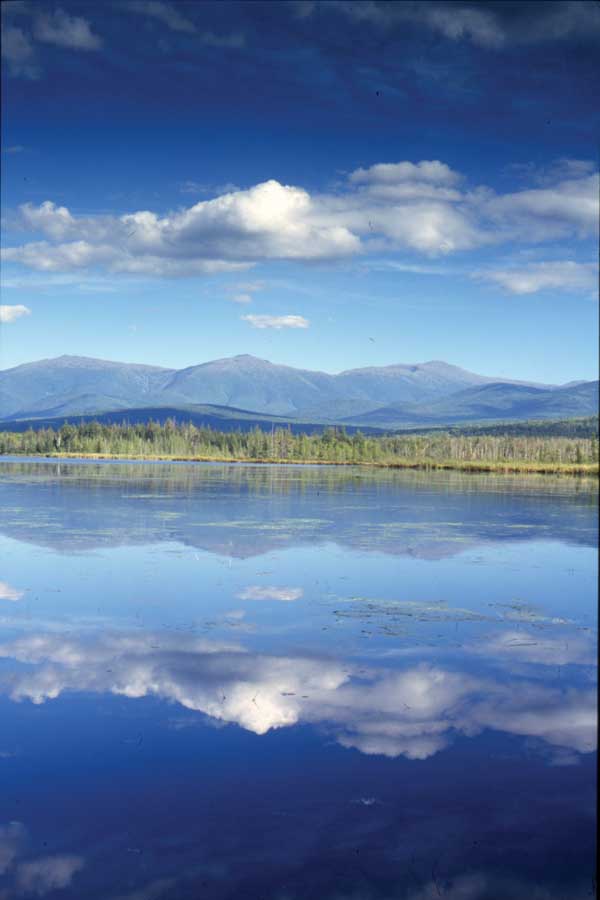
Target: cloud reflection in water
{"x":411,"y":711}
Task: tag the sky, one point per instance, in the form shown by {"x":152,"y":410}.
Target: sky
{"x":327,"y":185}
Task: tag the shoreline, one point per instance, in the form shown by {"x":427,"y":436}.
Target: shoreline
{"x":496,"y":468}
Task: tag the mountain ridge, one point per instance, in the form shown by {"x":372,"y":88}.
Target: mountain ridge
{"x":79,"y":385}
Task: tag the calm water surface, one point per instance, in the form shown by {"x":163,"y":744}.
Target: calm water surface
{"x":295,"y":683}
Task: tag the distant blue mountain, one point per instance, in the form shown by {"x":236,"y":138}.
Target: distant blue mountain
{"x":386,"y":396}
{"x":497,"y":401}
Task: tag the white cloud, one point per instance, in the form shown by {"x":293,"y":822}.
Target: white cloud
{"x":432,"y":171}
{"x":285,"y":594}
{"x":18,"y":51}
{"x":9,"y":593}
{"x":568,"y":208}
{"x":565,"y":275}
{"x":65,"y":31}
{"x":56,"y":27}
{"x":50,"y":873}
{"x":12,"y":313}
{"x":241,"y":298}
{"x":387,"y":207}
{"x":55,"y":221}
{"x":277,"y":322}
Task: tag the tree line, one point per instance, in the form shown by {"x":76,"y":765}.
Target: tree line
{"x":334,"y":445}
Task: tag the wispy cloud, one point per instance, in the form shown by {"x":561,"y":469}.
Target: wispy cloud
{"x":490,"y":27}
{"x":175,"y":21}
{"x":10,"y":593}
{"x":197,"y":187}
{"x":49,"y":873}
{"x":12,"y":313}
{"x":241,"y":298}
{"x":19,"y":53}
{"x":65,"y":31}
{"x":16,"y":148}
{"x":277,"y":322}
{"x":163,"y":12}
{"x":41,"y":26}
{"x":243,"y":292}
{"x":285,"y":594}
{"x":565,"y":275}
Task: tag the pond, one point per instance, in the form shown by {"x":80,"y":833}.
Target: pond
{"x":295,"y":683}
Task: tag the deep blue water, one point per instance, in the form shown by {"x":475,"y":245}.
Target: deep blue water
{"x":295,"y":682}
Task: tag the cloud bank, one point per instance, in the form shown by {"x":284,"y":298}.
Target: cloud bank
{"x":423,"y":207}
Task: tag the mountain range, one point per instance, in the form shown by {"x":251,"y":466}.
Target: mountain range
{"x":254,"y":390}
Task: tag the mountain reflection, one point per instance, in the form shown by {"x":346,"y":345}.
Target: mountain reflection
{"x":244,"y":511}
{"x":414,"y":710}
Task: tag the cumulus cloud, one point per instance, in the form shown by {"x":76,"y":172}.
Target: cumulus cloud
{"x":12,"y":313}
{"x":565,"y":275}
{"x":285,"y":594}
{"x":9,"y":593}
{"x":277,"y":322}
{"x":268,"y":221}
{"x":411,"y":712}
{"x":423,"y":207}
{"x":65,"y":31}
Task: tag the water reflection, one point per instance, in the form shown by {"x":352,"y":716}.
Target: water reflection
{"x":244,"y":511}
{"x":412,"y":710}
{"x":398,"y":702}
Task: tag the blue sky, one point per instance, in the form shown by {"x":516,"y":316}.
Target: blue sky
{"x":322,"y":184}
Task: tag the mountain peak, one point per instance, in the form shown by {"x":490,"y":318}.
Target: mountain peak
{"x":78,"y":384}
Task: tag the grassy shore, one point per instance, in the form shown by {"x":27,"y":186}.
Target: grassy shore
{"x":514,"y":467}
